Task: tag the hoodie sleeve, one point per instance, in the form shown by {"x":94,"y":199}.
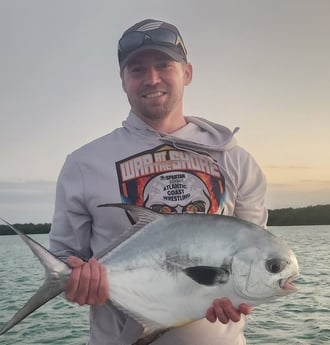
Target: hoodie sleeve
{"x":71,"y":227}
{"x":251,"y":191}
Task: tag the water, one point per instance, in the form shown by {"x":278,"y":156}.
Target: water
{"x":302,"y":318}
{"x":299,"y":319}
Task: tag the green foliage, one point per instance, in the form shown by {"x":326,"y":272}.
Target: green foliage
{"x":28,"y":228}
{"x":311,"y":215}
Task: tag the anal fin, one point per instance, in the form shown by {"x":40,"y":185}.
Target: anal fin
{"x":150,"y":338}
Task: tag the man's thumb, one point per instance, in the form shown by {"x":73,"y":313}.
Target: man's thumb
{"x":74,"y":261}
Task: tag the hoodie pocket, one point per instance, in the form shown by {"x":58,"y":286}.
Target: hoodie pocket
{"x":110,"y":326}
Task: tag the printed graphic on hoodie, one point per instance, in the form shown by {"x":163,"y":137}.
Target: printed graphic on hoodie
{"x":169,"y":180}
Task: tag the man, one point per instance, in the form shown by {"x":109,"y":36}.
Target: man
{"x":159,"y":159}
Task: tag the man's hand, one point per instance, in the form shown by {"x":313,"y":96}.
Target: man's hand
{"x":88,"y":283}
{"x":224,"y":311}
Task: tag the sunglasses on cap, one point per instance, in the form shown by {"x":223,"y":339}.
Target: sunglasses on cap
{"x":163,"y":37}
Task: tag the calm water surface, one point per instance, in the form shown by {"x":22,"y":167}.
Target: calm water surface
{"x":302,"y":318}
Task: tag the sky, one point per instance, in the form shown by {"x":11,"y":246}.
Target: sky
{"x":261,"y":65}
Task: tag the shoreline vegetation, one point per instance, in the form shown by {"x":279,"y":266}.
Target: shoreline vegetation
{"x":311,"y":215}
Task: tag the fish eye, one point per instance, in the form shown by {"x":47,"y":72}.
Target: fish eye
{"x":275,"y":265}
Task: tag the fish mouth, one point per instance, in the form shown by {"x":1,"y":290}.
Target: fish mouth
{"x":287,"y":284}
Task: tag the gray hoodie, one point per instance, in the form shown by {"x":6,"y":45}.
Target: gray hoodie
{"x":198,"y":168}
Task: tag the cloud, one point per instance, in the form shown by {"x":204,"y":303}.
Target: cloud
{"x":33,"y":201}
{"x":27,"y":201}
{"x":307,"y":193}
{"x":316,"y":184}
{"x":288,"y":167}
{"x":322,"y":182}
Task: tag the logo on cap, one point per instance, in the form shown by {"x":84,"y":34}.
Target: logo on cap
{"x":150,"y":26}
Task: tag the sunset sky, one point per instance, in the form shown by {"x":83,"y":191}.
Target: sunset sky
{"x":261,"y":65}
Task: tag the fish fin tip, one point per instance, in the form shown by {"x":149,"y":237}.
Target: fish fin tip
{"x":56,"y":273}
{"x":137,"y":212}
{"x":45,"y":293}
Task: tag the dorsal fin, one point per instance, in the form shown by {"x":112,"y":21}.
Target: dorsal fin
{"x":140,"y":216}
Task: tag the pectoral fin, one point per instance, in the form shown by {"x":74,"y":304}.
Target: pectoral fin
{"x":208,"y":275}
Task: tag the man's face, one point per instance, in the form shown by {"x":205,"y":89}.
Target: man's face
{"x":154,"y":84}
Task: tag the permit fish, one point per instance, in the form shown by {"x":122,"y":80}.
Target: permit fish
{"x":166,"y":270}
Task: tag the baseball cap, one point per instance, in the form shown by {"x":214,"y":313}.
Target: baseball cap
{"x":151,"y":34}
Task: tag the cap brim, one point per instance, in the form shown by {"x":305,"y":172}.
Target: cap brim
{"x":166,"y":50}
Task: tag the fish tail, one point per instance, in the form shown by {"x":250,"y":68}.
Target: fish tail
{"x":56,"y":275}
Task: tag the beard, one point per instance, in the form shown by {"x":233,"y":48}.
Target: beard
{"x":154,"y":113}
{"x":154,"y":110}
